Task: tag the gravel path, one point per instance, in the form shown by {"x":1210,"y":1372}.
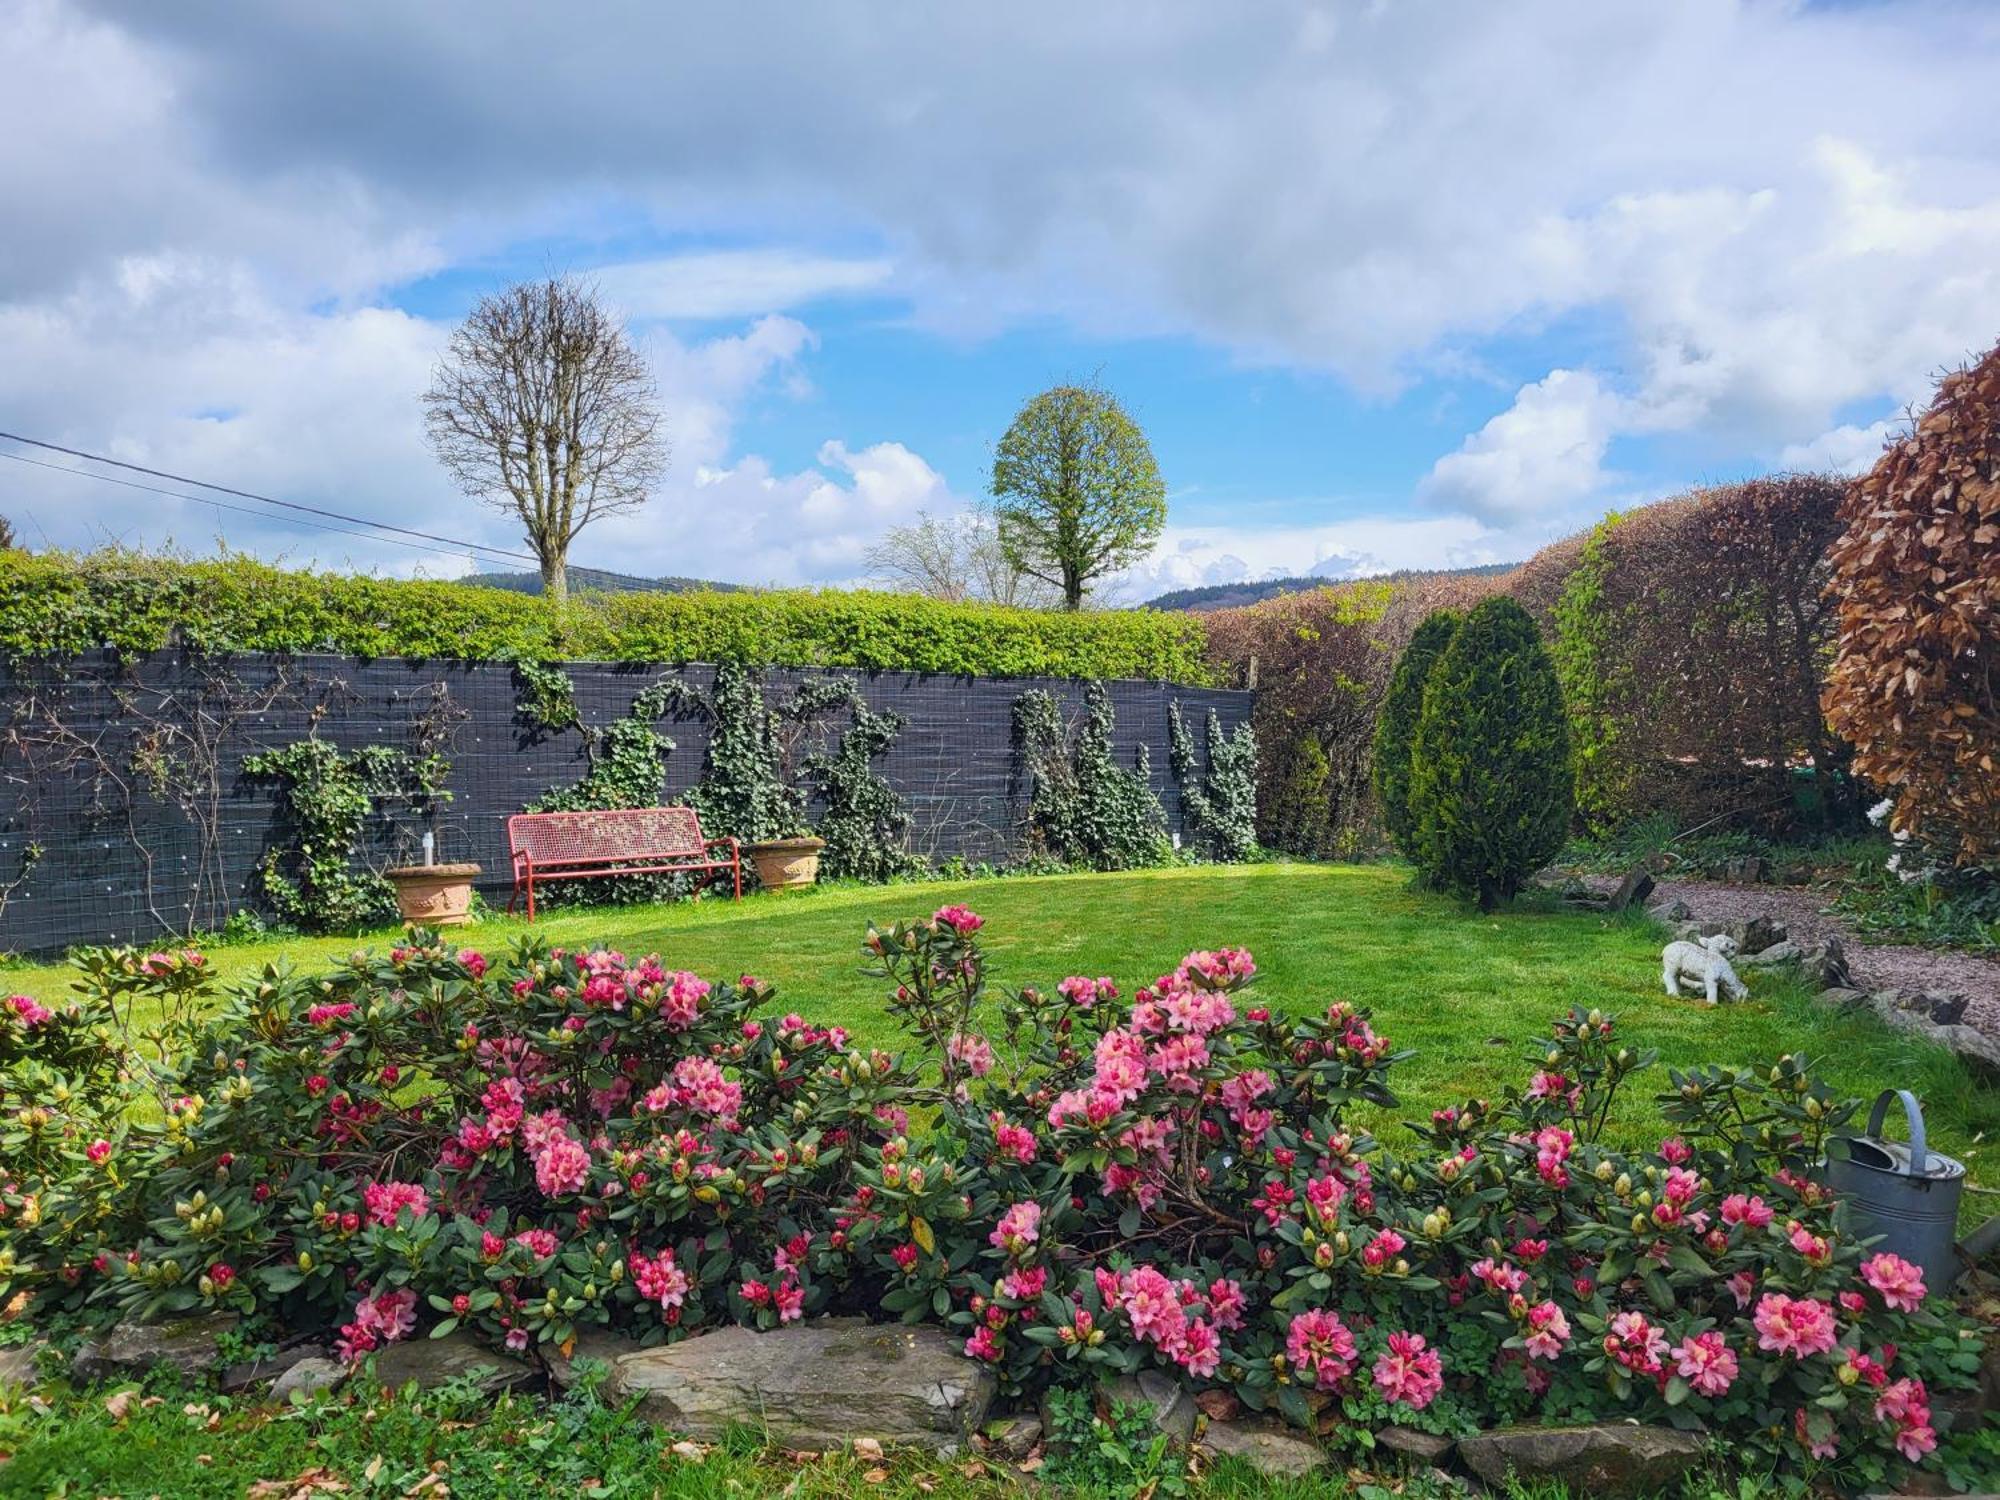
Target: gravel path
{"x":1876,"y":966}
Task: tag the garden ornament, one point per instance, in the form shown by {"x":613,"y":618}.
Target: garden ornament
{"x":1705,"y":963}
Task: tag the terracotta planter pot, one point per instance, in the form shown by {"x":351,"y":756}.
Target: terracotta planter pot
{"x":433,"y":895}
{"x":786,"y":864}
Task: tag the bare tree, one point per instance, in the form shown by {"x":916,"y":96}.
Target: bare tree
{"x":955,"y":557}
{"x":543,"y":407}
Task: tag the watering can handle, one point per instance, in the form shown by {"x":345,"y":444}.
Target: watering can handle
{"x":1920,"y":1160}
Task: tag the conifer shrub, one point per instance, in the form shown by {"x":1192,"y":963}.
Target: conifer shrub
{"x":1491,"y":782}
{"x":1396,"y":727}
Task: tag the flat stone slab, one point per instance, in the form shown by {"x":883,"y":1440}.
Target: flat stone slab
{"x":1605,"y":1459}
{"x":307,"y":1376}
{"x":433,"y":1362}
{"x":816,"y":1385}
{"x":17,"y":1364}
{"x":1267,"y":1449}
{"x":185,"y":1344}
{"x":1423,"y":1447}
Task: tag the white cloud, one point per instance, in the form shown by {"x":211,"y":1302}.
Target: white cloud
{"x":734,"y":283}
{"x":1543,"y":456}
{"x":1846,"y":449}
{"x":1192,"y":556}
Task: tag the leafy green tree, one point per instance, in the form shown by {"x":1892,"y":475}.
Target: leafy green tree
{"x":1492,"y":786}
{"x":1396,"y":725}
{"x":1075,"y":490}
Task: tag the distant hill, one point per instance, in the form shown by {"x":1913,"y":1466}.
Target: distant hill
{"x":1231,"y":595}
{"x":597,"y":580}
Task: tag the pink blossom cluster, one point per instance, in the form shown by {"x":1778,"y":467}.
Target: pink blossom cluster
{"x":1552,"y":1148}
{"x":380,"y":1319}
{"x":1635,"y":1343}
{"x":324,"y":1016}
{"x":1706,"y":1362}
{"x":660,"y":1280}
{"x":1177,"y":1318}
{"x":1905,"y":1407}
{"x":29,"y":1012}
{"x":1320,"y":1347}
{"x":1899,"y":1283}
{"x":385,"y":1200}
{"x":1751,"y":1213}
{"x":1798,"y":1326}
{"x":961,"y":919}
{"x":1544,"y":1331}
{"x":700,"y":1087}
{"x":1018,"y":1229}
{"x":971,"y":1052}
{"x":1014,"y":1143}
{"x":1409,"y":1372}
{"x":1084,"y":993}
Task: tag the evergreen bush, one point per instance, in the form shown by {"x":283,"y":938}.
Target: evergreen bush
{"x":1396,"y":727}
{"x":1491,"y":782}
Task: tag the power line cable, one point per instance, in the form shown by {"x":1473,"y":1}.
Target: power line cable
{"x":242,"y":510}
{"x":223,"y":489}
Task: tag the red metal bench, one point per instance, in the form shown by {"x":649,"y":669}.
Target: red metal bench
{"x":620,"y":841}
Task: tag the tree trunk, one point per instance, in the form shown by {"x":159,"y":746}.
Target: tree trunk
{"x":555,"y":578}
{"x":1072,"y":589}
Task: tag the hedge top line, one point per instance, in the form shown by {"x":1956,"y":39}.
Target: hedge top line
{"x":57,"y":605}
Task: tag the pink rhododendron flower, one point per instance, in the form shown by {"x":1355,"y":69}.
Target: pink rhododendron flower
{"x":29,"y":1012}
{"x":473,"y":962}
{"x":1545,"y":1331}
{"x":541,"y":1243}
{"x":1084,"y":993}
{"x":1018,"y":1228}
{"x":1408,"y":1372}
{"x":962,"y":920}
{"x":1900,"y":1284}
{"x":1753,"y":1213}
{"x":1906,"y":1406}
{"x":1226,"y":1303}
{"x":1798,"y":1326}
{"x":1552,"y":1148}
{"x":659,"y":1279}
{"x":1635,"y":1343}
{"x":1014,"y":1142}
{"x":562,"y":1166}
{"x":971,"y":1052}
{"x":680,"y":1002}
{"x":1706,"y":1362}
{"x":381,"y":1319}
{"x":1319,"y":1345}
{"x":387,"y":1199}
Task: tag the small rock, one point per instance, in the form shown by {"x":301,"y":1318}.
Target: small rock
{"x":818,"y":1384}
{"x":433,"y":1362}
{"x":1677,"y":911}
{"x":1749,"y":870}
{"x":313,"y":1373}
{"x":18,"y":1365}
{"x":1600,"y":1460}
{"x":1420,"y":1447}
{"x":1171,"y":1402}
{"x":241,"y":1377}
{"x":1633,"y":890}
{"x":1786,"y":952}
{"x":185,"y":1344}
{"x":1840,"y":998}
{"x":1014,"y":1437}
{"x":1218,"y":1405}
{"x":1267,"y":1449}
{"x":1946,"y":1010}
{"x":1825,"y":965}
{"x":1752,"y":934}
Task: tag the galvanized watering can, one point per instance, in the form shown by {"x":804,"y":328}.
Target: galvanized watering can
{"x":1908,"y":1194}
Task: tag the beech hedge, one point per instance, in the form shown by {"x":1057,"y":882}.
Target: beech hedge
{"x":57,"y":604}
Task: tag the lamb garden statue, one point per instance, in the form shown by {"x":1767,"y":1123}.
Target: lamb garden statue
{"x":1705,"y":963}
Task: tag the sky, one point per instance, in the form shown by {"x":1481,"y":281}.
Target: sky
{"x":1416,"y":284}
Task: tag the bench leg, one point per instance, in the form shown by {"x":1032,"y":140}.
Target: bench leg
{"x":531,"y":898}
{"x":736,"y":872}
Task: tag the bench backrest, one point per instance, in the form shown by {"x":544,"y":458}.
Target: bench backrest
{"x":562,"y":838}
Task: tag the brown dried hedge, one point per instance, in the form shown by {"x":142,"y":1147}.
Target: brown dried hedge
{"x":1916,"y":578}
{"x":1693,"y":636}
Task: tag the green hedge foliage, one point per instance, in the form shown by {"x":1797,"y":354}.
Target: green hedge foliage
{"x":1491,"y":782}
{"x":1396,"y":728}
{"x":53,"y":604}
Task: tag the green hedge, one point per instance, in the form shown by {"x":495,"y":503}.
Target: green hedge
{"x":52,"y":604}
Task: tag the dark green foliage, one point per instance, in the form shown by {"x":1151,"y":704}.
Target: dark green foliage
{"x":1491,"y":783}
{"x":628,"y":756}
{"x":328,"y":796}
{"x":56,"y":605}
{"x":1082,"y":808}
{"x":864,"y":823}
{"x":1396,"y":728}
{"x":1220,"y":803}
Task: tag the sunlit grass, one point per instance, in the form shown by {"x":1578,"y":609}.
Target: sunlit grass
{"x":1470,"y":993}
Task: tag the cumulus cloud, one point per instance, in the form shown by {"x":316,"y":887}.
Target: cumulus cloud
{"x":734,"y":283}
{"x":1845,"y":449}
{"x":1541,"y":456}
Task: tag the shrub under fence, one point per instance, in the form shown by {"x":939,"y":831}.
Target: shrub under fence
{"x":539,"y":1143}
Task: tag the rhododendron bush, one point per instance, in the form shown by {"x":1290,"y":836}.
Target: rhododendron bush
{"x":1078,"y":1179}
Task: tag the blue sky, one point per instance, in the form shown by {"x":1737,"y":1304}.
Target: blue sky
{"x":1387,"y":285}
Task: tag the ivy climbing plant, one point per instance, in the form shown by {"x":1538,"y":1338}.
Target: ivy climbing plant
{"x":327,"y":795}
{"x":1083,"y":808}
{"x":627,"y":758}
{"x":865,"y":824}
{"x":1219,"y":802}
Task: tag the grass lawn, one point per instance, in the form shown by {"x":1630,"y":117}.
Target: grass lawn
{"x":1468,"y":992}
